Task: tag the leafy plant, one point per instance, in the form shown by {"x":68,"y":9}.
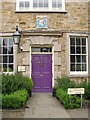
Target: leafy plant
{"x":12,"y":83}
{"x":65,"y":83}
{"x":62,"y":95}
{"x":15,"y":100}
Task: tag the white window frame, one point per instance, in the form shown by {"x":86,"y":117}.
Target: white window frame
{"x":31,"y":9}
{"x":7,"y":55}
{"x":75,"y":73}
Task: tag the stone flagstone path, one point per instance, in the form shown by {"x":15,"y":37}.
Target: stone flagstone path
{"x":43,"y":105}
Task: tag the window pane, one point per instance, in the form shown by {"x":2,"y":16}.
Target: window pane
{"x":45,"y":50}
{"x":54,"y":3}
{"x":4,"y":50}
{"x":34,"y":3}
{"x":59,"y":3}
{"x":36,"y":50}
{"x":5,"y":41}
{"x":78,"y":58}
{"x":1,"y":48}
{"x":10,"y":59}
{"x":84,"y":58}
{"x":27,"y":4}
{"x":4,"y":67}
{"x":45,"y":3}
{"x":4,"y":59}
{"x":72,"y":67}
{"x":40,"y":3}
{"x":83,"y":41}
{"x":10,"y":50}
{"x":78,"y":41}
{"x":83,"y":50}
{"x":21,"y":4}
{"x":72,"y":58}
{"x":1,"y":59}
{"x":1,"y":42}
{"x":72,"y":41}
{"x":10,"y":67}
{"x":78,"y":67}
{"x":84,"y":68}
{"x":72,"y":50}
{"x":10,"y":41}
{"x":78,"y":50}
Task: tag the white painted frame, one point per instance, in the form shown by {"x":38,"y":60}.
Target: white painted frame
{"x":31,"y":9}
{"x":52,"y":62}
{"x":8,"y":36}
{"x":76,"y":73}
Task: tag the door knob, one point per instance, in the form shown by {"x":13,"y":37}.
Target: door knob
{"x":41,"y":74}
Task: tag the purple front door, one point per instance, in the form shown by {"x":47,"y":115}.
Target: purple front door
{"x":42,"y":73}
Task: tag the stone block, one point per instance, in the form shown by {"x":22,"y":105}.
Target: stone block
{"x":55,"y":54}
{"x":55,"y":43}
{"x":57,"y":48}
{"x":57,"y":74}
{"x":55,"y":68}
{"x":26,"y":74}
{"x":57,"y":61}
{"x":26,"y":46}
{"x":28,"y":69}
{"x":26,"y":60}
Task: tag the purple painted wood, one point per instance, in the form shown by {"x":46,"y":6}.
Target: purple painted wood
{"x":42,"y":73}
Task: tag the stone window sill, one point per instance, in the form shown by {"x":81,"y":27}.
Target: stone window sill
{"x":38,"y":11}
{"x":78,"y":74}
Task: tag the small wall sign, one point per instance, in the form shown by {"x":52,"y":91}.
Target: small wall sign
{"x":72,"y":91}
{"x":21,"y":68}
{"x":41,"y":22}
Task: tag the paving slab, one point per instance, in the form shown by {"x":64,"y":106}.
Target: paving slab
{"x":43,"y":105}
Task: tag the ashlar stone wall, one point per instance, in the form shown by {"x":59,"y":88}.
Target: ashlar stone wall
{"x":75,"y":20}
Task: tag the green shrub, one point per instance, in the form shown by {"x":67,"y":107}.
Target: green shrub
{"x":12,"y":83}
{"x":65,"y":83}
{"x":86,"y":85}
{"x":15,"y":100}
{"x":62,"y":95}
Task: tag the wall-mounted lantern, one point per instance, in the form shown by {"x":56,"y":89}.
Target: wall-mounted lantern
{"x":16,"y":36}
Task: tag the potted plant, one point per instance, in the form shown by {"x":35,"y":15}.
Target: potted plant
{"x":54,"y":91}
{"x":30,"y":93}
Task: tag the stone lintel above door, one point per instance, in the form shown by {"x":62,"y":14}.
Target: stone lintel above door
{"x":41,"y":33}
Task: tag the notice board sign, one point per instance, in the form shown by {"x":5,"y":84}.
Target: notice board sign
{"x":41,"y":21}
{"x":21,"y":68}
{"x":72,"y":91}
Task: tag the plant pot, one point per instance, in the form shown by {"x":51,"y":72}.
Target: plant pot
{"x":54,"y":93}
{"x":30,"y":93}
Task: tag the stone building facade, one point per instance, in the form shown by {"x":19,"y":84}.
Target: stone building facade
{"x":66,"y":35}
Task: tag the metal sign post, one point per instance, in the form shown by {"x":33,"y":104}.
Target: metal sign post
{"x":72,"y":91}
{"x":81,"y":100}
